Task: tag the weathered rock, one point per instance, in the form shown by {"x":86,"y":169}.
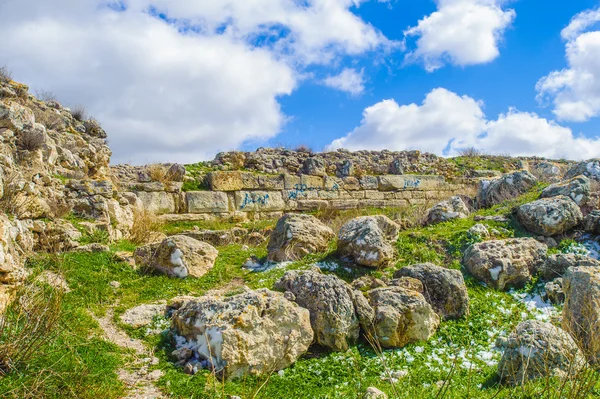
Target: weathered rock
{"x":92,"y":248}
{"x":591,"y":223}
{"x":444,"y":289}
{"x":253,"y":333}
{"x":374,"y":393}
{"x":589,"y":168}
{"x":577,"y":188}
{"x":297,"y":235}
{"x":367,"y":240}
{"x":503,"y":264}
{"x":581,"y":313}
{"x":550,"y":216}
{"x":538,"y":350}
{"x":177,"y":256}
{"x":556,"y":265}
{"x":507,"y":187}
{"x":16,"y":243}
{"x":454,"y":208}
{"x":367,"y":282}
{"x":479,"y":230}
{"x":176,"y":172}
{"x":331,"y":304}
{"x":401,"y":317}
{"x":142,"y":315}
{"x":408,"y":283}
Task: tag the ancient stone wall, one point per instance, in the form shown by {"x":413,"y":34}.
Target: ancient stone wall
{"x":235,"y":192}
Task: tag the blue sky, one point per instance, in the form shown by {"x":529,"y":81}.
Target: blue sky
{"x":179,"y":80}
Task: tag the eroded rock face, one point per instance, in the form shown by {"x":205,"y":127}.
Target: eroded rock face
{"x":177,"y":256}
{"x":297,"y":235}
{"x":253,"y":333}
{"x":443,"y":288}
{"x":16,"y":242}
{"x":591,"y":222}
{"x":330,"y":301}
{"x":550,"y":216}
{"x":368,"y":240}
{"x":556,"y":265}
{"x":401,"y":316}
{"x":577,"y":188}
{"x":581,"y":313}
{"x":537,"y":350}
{"x":503,"y":264}
{"x":454,"y":208}
{"x":508,"y":186}
{"x":590,"y":168}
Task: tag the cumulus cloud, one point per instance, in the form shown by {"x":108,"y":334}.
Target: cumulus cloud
{"x":460,"y":32}
{"x":178,"y":80}
{"x":445,"y":123}
{"x":575,"y":90}
{"x":349,"y":80}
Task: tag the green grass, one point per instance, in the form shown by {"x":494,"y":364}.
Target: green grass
{"x":177,"y":227}
{"x":79,"y":364}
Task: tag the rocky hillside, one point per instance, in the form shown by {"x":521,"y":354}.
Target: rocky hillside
{"x":290,"y":274}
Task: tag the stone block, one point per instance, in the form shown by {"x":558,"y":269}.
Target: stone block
{"x":207,"y":202}
{"x":259,"y":201}
{"x":343,"y":204}
{"x":310,"y":205}
{"x":275,"y":182}
{"x":225,"y":181}
{"x":409,"y":182}
{"x":158,"y":202}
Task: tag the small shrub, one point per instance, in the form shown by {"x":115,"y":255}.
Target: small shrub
{"x":27,"y":323}
{"x":304,"y":148}
{"x":45,"y":95}
{"x":145,"y":225}
{"x":5,"y":75}
{"x":32,"y":139}
{"x":79,"y":113}
{"x":158,"y":173}
{"x":470,"y":152}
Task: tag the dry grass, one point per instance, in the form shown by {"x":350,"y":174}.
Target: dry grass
{"x":5,"y":74}
{"x":145,"y":225}
{"x":32,"y":139}
{"x":79,"y":113}
{"x":27,"y":323}
{"x":59,"y":208}
{"x":158,"y":173}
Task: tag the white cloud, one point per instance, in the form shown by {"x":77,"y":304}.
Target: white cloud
{"x":208,"y":80}
{"x":349,"y":80}
{"x":445,"y":123}
{"x":575,"y":91}
{"x":460,"y":32}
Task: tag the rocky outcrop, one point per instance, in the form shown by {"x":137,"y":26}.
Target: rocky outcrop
{"x":538,"y":350}
{"x":550,"y":216}
{"x":507,"y":187}
{"x":368,"y":240}
{"x":591,"y":222}
{"x":297,"y":235}
{"x":556,"y":265}
{"x":503,"y":264}
{"x":454,"y":208}
{"x":253,"y":333}
{"x":479,"y":230}
{"x":401,"y":316}
{"x":581,"y":313}
{"x":331,"y":304}
{"x":443,"y":288}
{"x":577,"y":188}
{"x":177,"y":256}
{"x":589,"y":168}
{"x":16,"y":243}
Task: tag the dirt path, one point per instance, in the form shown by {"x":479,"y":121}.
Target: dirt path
{"x":139,"y":381}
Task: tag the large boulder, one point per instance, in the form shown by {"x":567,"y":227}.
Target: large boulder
{"x":253,"y":333}
{"x":297,"y":235}
{"x":577,"y":188}
{"x":556,"y":265}
{"x":401,"y":317}
{"x":589,"y":168}
{"x":16,"y":243}
{"x":177,"y":256}
{"x":368,"y":240}
{"x":330,"y":301}
{"x":581,"y":313}
{"x":507,"y":187}
{"x":591,"y":222}
{"x":503,"y":264}
{"x":444,"y":288}
{"x":538,"y":350}
{"x":454,"y":208}
{"x":550,"y":216}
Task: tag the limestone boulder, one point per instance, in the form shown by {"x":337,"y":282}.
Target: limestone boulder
{"x":553,"y":291}
{"x":368,"y":240}
{"x":581,"y":313}
{"x":454,"y":208}
{"x":177,"y":256}
{"x":538,"y":350}
{"x":577,"y":188}
{"x":142,"y":315}
{"x":550,"y":216}
{"x":503,"y":264}
{"x":508,"y":186}
{"x":589,"y":168}
{"x":253,"y":333}
{"x":401,"y":317}
{"x":297,"y":235}
{"x":556,"y":265}
{"x":330,"y":302}
{"x":443,"y":288}
{"x":479,"y":230}
{"x":16,"y":243}
{"x":591,"y":222}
